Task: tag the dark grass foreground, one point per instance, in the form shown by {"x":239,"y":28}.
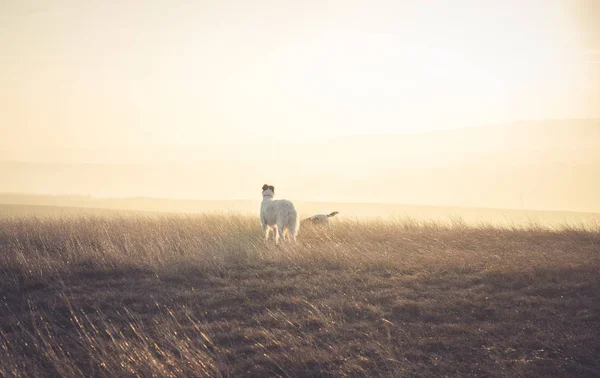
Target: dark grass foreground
{"x":204,"y":296}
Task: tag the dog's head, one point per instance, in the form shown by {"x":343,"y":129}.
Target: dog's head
{"x":268,"y":190}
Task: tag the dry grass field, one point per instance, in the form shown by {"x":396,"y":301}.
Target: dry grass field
{"x":202,"y":295}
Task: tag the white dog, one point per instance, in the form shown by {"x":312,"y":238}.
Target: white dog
{"x":280,"y":216}
{"x":322,"y":219}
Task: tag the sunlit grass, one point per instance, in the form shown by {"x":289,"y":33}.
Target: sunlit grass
{"x":206,"y":296}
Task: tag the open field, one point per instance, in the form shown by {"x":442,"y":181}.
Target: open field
{"x":203,"y":295}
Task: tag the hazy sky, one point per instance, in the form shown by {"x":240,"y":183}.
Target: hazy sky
{"x":137,"y":73}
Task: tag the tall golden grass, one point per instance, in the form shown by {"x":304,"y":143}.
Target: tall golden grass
{"x":207,"y":296}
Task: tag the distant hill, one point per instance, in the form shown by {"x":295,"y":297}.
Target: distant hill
{"x":546,"y":165}
{"x":524,"y":142}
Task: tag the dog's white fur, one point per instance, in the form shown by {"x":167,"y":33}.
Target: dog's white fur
{"x":278,"y":216}
{"x":322,"y":219}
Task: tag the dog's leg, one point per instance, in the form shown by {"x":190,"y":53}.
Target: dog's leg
{"x":293,"y":236}
{"x":281,"y":230}
{"x":293,"y":226}
{"x":266,"y":230}
{"x":274,"y":232}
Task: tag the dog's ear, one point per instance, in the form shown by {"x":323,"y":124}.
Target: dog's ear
{"x":265,"y":187}
{"x":272,"y":188}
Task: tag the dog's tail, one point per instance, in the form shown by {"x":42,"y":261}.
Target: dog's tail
{"x":333,"y":214}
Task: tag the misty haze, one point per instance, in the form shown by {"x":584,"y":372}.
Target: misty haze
{"x":228,"y":188}
{"x":542,"y":165}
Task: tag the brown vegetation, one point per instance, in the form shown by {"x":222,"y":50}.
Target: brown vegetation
{"x":205,"y":296}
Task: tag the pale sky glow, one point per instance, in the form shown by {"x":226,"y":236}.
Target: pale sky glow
{"x":98,"y":73}
{"x":335,"y":100}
